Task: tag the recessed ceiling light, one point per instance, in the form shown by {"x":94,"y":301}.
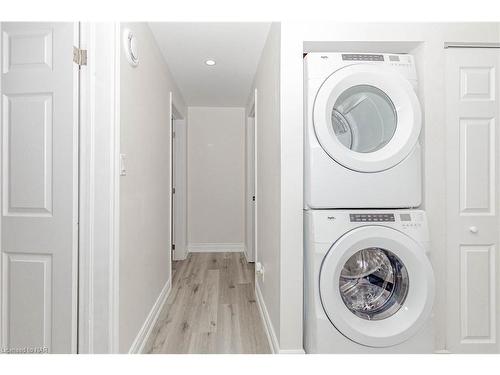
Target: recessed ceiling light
{"x":210,"y":62}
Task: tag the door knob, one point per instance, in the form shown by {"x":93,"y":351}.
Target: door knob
{"x":473,"y":229}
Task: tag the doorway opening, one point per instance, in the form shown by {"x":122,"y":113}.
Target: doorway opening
{"x":212,"y":306}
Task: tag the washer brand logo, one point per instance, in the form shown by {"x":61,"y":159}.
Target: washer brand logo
{"x":330,"y":217}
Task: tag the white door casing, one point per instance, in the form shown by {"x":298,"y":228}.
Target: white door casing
{"x":472,"y":142}
{"x":256,"y":177}
{"x":179,"y":165}
{"x":99,"y":189}
{"x":250,"y":190}
{"x":417,"y":306}
{"x":173,"y":207}
{"x":406,"y":104}
{"x":39,"y":142}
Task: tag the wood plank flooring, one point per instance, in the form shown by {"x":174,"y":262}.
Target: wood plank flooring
{"x":212,"y":308}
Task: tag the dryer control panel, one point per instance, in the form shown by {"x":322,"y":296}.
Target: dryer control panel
{"x":361,"y":57}
{"x":320,"y":65}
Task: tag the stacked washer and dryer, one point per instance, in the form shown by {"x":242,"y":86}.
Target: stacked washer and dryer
{"x":368,"y":285}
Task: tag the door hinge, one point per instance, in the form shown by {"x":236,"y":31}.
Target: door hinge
{"x":173,"y":190}
{"x":173,"y":246}
{"x":79,"y":56}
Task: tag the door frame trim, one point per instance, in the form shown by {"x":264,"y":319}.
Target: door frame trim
{"x":77,"y":125}
{"x":252,"y":110}
{"x":255,"y":177}
{"x":99,"y":178}
{"x":470,"y":45}
{"x":251,"y":113}
{"x":171,"y":119}
{"x":178,"y":203}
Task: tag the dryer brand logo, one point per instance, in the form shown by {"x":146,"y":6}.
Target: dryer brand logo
{"x":330,"y":217}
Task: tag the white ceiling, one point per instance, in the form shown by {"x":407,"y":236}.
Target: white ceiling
{"x":236,"y":47}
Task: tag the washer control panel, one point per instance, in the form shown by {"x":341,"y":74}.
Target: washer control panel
{"x":409,"y":221}
{"x":325,"y":226}
{"x":375,"y":217}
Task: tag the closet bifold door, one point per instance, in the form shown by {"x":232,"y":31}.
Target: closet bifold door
{"x":472,"y":161}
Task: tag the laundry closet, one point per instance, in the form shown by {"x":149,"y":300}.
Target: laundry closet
{"x":463,"y":290}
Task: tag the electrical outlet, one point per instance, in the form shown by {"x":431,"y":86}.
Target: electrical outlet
{"x":259,"y":270}
{"x":123,"y":167}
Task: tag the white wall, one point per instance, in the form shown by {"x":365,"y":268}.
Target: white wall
{"x":216,"y":178}
{"x":144,"y":201}
{"x":431,"y":73}
{"x":268,"y":190}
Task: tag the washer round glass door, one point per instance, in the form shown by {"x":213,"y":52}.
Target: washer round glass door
{"x":367,"y":118}
{"x":374,"y":283}
{"x":376,"y":286}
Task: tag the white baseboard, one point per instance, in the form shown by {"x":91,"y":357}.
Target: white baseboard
{"x":145,"y":332}
{"x":246,"y":257}
{"x":216,"y":247}
{"x":271,"y":334}
{"x":245,"y":253}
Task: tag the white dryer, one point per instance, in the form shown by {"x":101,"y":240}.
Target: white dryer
{"x":362,"y":127}
{"x":369,"y":284}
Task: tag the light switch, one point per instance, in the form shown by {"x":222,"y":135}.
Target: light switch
{"x":123,"y":168}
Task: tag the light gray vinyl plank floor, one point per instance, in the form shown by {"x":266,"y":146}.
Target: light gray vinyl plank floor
{"x":211,"y":309}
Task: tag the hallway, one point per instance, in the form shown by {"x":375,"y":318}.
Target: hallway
{"x":211,"y":309}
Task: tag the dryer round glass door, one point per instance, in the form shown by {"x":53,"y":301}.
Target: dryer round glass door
{"x":367,"y":118}
{"x":364,"y":118}
{"x":377,"y":286}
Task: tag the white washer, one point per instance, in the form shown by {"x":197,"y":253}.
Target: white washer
{"x":363,"y":121}
{"x":369,"y":284}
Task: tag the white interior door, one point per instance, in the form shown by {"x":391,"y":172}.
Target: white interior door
{"x":472,"y":107}
{"x":39,"y":87}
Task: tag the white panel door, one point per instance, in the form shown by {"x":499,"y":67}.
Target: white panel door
{"x":472,"y":108}
{"x":39,"y":137}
